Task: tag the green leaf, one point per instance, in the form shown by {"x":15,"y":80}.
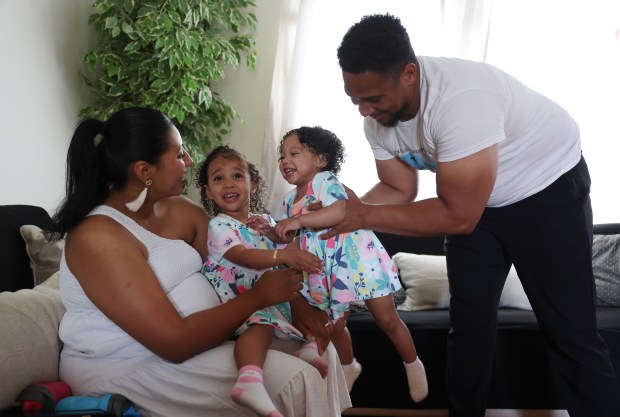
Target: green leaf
{"x":188,"y":18}
{"x":175,"y":17}
{"x":112,"y":69}
{"x":127,"y":28}
{"x":144,"y":11}
{"x":116,"y":90}
{"x":157,"y":84}
{"x":111,"y":22}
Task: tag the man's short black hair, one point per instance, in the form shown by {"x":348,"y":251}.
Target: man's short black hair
{"x":377,"y":43}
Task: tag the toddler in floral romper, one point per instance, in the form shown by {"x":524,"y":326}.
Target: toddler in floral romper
{"x":239,"y":254}
{"x":356,"y":266}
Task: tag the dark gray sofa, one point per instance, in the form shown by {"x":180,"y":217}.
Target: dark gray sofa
{"x":521,"y":374}
{"x":29,"y":344}
{"x":521,"y":377}
{"x":17,"y":273}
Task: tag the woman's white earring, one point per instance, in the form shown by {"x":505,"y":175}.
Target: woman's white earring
{"x":137,"y":203}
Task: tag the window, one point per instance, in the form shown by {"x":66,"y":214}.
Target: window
{"x":569,"y":51}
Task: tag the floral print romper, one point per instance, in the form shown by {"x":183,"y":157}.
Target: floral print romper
{"x":230,"y":280}
{"x":357,"y":267}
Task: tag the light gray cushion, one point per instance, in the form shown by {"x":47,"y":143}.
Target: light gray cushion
{"x":606,"y":268}
{"x":44,"y":256}
{"x":29,"y":338}
{"x":425,"y":278}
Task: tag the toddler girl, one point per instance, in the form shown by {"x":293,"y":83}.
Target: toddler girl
{"x":356,"y":265}
{"x":238,"y":254}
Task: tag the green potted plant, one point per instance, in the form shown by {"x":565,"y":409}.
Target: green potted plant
{"x":166,"y":54}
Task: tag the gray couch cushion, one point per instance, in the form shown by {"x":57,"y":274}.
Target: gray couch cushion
{"x":606,"y":267}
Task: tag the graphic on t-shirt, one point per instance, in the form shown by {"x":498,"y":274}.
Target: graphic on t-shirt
{"x":418,"y":159}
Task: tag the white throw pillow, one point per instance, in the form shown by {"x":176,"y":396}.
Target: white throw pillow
{"x":425,"y":279}
{"x":44,"y":255}
{"x":29,"y":344}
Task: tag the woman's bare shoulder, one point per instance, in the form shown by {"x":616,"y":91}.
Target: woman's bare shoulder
{"x":181,"y":209}
{"x":179,"y":202}
{"x":100,"y":238}
{"x":99,"y":227}
{"x":180,"y":218}
{"x":99,"y":232}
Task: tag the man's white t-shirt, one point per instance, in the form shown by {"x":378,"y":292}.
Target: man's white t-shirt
{"x":467,"y":106}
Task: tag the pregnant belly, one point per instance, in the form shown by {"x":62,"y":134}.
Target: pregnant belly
{"x":194,"y":294}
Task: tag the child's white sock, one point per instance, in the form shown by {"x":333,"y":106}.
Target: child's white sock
{"x":249,"y":391}
{"x":351,"y":372}
{"x":416,"y":377}
{"x":310,"y":353}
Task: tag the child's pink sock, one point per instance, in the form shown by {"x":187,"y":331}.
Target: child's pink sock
{"x":249,"y":391}
{"x":310,"y":353}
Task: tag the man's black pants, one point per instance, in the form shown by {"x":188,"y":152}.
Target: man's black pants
{"x":548,"y":237}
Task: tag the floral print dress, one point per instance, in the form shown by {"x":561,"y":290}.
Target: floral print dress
{"x":357,"y":267}
{"x":230,"y":280}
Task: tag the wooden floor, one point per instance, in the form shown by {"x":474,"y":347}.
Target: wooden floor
{"x":376,"y":412}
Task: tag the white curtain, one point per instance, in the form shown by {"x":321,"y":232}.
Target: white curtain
{"x":465,"y":28}
{"x":567,"y":50}
{"x":279,"y":114}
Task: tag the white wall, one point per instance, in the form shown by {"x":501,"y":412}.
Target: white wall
{"x":249,"y":91}
{"x":41,"y":92}
{"x":41,"y":44}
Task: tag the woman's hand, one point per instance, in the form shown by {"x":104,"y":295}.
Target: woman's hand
{"x":312,"y":322}
{"x":277,"y":286}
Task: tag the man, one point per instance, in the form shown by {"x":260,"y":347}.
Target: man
{"x":512,"y":188}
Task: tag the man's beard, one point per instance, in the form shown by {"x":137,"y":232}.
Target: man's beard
{"x":396,"y":117}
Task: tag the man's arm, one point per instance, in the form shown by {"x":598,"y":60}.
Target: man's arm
{"x":463,"y":190}
{"x":398,"y":183}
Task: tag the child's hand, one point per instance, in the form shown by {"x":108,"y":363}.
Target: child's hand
{"x":302,"y":260}
{"x":259,"y":223}
{"x":287,"y":225}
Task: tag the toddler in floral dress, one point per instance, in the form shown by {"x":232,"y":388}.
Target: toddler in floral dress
{"x":356,"y":266}
{"x":238,"y":255}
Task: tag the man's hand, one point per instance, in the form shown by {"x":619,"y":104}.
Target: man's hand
{"x":312,"y":323}
{"x":354,"y":219}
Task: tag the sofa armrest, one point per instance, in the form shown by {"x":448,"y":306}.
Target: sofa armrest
{"x":29,"y":340}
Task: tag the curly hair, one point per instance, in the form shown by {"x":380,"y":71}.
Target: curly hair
{"x":321,"y":142}
{"x":257,"y":197}
{"x":377,"y":43}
